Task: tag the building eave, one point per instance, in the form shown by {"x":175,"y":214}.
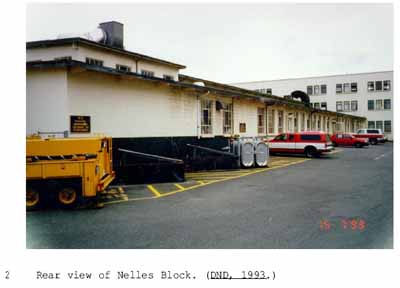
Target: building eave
{"x":83,"y":41}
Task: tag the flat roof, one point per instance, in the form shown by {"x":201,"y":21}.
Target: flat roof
{"x":312,"y":77}
{"x":79,"y":40}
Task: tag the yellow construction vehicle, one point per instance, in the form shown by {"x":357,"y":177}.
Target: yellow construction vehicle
{"x":67,"y":170}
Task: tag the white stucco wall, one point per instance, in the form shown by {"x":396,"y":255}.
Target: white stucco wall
{"x":130,"y":108}
{"x":46,"y":101}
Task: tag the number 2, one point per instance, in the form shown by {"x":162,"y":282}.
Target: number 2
{"x":7,"y":274}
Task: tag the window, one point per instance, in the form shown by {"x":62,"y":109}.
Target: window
{"x":387,"y":105}
{"x":168,"y":77}
{"x":386,"y":85}
{"x":261,"y":120}
{"x":309,"y":90}
{"x":123,"y":68}
{"x":316,"y":105}
{"x":371,"y":86}
{"x":338,"y":88}
{"x":339,"y":106}
{"x":66,"y":58}
{"x":147,"y":73}
{"x":323,"y":106}
{"x":346,"y":106}
{"x":323,"y":89}
{"x":206,"y":116}
{"x":227,"y":119}
{"x":379,"y":125}
{"x":388,"y":126}
{"x":353,"y":87}
{"x":378,"y":105}
{"x":310,"y":137}
{"x":378,"y":85}
{"x":316,"y":89}
{"x":92,"y":61}
{"x":346,"y":88}
{"x":296,"y":120}
{"x":354,"y":105}
{"x":242,"y":127}
{"x":269,"y":91}
{"x":371,"y":124}
{"x":371,"y":105}
{"x":271,"y":122}
{"x":280,"y":121}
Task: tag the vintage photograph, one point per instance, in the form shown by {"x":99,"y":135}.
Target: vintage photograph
{"x":209,"y":126}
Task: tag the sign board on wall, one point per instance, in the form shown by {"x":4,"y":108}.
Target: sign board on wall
{"x":80,"y":124}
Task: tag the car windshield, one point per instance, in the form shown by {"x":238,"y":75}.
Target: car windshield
{"x":281,"y":137}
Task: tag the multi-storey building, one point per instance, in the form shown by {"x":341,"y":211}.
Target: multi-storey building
{"x":364,"y":94}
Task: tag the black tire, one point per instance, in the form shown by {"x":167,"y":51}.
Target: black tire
{"x":334,"y":144}
{"x":358,"y":145}
{"x":69,"y":196}
{"x":373,"y":141}
{"x":33,"y":198}
{"x":310,"y":152}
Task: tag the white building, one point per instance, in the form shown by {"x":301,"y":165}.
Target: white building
{"x":364,"y":94}
{"x":87,"y":87}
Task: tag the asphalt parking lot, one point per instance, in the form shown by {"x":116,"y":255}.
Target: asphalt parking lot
{"x":343,"y":200}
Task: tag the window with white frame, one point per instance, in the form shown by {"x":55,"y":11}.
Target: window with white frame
{"x":371,"y":86}
{"x":261,"y":120}
{"x":323,"y":106}
{"x":371,"y":124}
{"x":123,"y":68}
{"x":386,"y":85}
{"x":310,"y":90}
{"x":316,"y":89}
{"x":168,"y":77}
{"x":280,"y":121}
{"x":95,"y":62}
{"x":227,"y":118}
{"x":346,"y":106}
{"x":354,"y":105}
{"x":316,"y":105}
{"x":387,"y":105}
{"x":339,"y":106}
{"x":378,"y":86}
{"x":371,"y":105}
{"x":379,"y":125}
{"x":323,"y":89}
{"x":147,"y":73}
{"x":339,"y":88}
{"x":206,"y":116}
{"x":388,"y":126}
{"x":271,"y":121}
{"x":379,"y":104}
{"x":354,"y":87}
{"x":346,"y":88}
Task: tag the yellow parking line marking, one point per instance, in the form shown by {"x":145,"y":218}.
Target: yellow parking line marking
{"x":154,"y":190}
{"x":202,"y":183}
{"x":179,"y":186}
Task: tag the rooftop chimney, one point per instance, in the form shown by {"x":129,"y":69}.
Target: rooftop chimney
{"x":115,"y":33}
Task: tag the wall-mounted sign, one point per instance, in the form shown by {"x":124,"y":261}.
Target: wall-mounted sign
{"x":80,"y":124}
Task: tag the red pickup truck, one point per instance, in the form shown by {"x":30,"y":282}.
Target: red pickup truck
{"x":344,"y":139}
{"x":311,"y":144}
{"x":374,"y":136}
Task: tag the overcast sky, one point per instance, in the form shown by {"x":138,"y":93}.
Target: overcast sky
{"x":238,"y":42}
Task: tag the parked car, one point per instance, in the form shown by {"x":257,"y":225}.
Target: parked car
{"x":345,"y":139}
{"x":374,"y":136}
{"x":311,"y":144}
